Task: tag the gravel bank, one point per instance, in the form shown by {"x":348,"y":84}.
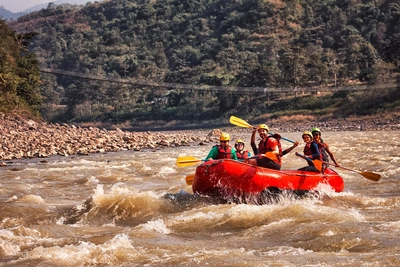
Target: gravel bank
{"x":24,"y":138}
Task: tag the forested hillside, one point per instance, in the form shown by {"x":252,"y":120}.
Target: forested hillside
{"x":19,"y":73}
{"x":203,"y":59}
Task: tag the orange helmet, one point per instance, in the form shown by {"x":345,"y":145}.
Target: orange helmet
{"x":224,"y":137}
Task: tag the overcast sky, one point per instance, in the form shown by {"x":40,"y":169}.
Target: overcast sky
{"x":21,"y":5}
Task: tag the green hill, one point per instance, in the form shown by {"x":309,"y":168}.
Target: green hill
{"x":129,"y":62}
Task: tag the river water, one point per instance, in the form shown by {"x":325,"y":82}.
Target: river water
{"x":135,"y":209}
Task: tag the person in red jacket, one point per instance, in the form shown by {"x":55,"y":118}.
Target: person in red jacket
{"x":241,"y":153}
{"x":312,"y":152}
{"x":269,"y":151}
{"x":223,"y":150}
{"x":323,"y":147}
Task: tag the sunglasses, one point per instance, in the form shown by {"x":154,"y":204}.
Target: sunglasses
{"x":223,"y":141}
{"x":315,"y":134}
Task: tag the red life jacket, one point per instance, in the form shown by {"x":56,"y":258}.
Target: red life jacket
{"x":224,"y":152}
{"x":324,"y":155}
{"x":307,"y":149}
{"x":242,"y":155}
{"x":262,"y":148}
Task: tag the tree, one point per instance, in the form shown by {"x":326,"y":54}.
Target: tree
{"x":19,"y":72}
{"x":292,"y":61}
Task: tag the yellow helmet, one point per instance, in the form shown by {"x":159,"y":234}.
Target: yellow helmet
{"x":307,"y":133}
{"x":263,"y":126}
{"x":224,"y":137}
{"x":239,"y":141}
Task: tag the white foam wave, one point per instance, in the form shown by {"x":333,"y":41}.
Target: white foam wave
{"x":166,"y":169}
{"x":158,"y":226}
{"x":279,"y":251}
{"x":13,"y":198}
{"x":92,"y":180}
{"x":7,"y":247}
{"x":109,"y":253}
{"x":33,"y":199}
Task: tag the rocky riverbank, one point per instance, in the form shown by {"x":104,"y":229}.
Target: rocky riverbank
{"x":22,"y":138}
{"x":25,"y":138}
{"x":365,"y":124}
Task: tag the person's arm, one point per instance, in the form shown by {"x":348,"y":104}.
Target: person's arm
{"x":331,"y":154}
{"x":213,"y":153}
{"x":255,"y":149}
{"x":287,"y":150}
{"x":253,"y":142}
{"x":315,"y":151}
{"x":233,"y":153}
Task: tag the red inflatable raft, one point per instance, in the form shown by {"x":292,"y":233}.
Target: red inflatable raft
{"x":231,"y":178}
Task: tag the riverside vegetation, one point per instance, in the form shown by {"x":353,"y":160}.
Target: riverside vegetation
{"x":164,"y":64}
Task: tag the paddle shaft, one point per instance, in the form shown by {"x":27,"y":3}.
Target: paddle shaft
{"x":369,"y":175}
{"x":284,"y":138}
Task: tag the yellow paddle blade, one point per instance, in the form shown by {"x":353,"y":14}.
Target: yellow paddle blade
{"x":186,"y":161}
{"x":189,"y":179}
{"x":371,"y":176}
{"x":317,"y":164}
{"x":239,"y":122}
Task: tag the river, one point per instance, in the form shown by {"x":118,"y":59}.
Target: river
{"x":134,"y":209}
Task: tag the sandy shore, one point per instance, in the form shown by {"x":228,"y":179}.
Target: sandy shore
{"x":24,"y":138}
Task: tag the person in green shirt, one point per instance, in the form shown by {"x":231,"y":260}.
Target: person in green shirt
{"x":223,"y":150}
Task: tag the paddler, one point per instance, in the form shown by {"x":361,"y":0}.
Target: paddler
{"x":223,"y":150}
{"x":241,"y":153}
{"x":323,"y":147}
{"x":269,"y":151}
{"x":311,"y":151}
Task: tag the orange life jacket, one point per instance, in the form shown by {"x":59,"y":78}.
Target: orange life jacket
{"x":262,"y":148}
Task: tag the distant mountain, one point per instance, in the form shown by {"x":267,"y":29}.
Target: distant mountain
{"x":59,"y":2}
{"x":6,"y":14}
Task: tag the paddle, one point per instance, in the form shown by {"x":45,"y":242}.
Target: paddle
{"x":186,"y":161}
{"x":189,"y":179}
{"x":369,"y":175}
{"x":242,"y":123}
{"x":270,"y":155}
{"x":317,"y":163}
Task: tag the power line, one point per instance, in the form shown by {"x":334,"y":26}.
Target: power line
{"x":259,"y":90}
